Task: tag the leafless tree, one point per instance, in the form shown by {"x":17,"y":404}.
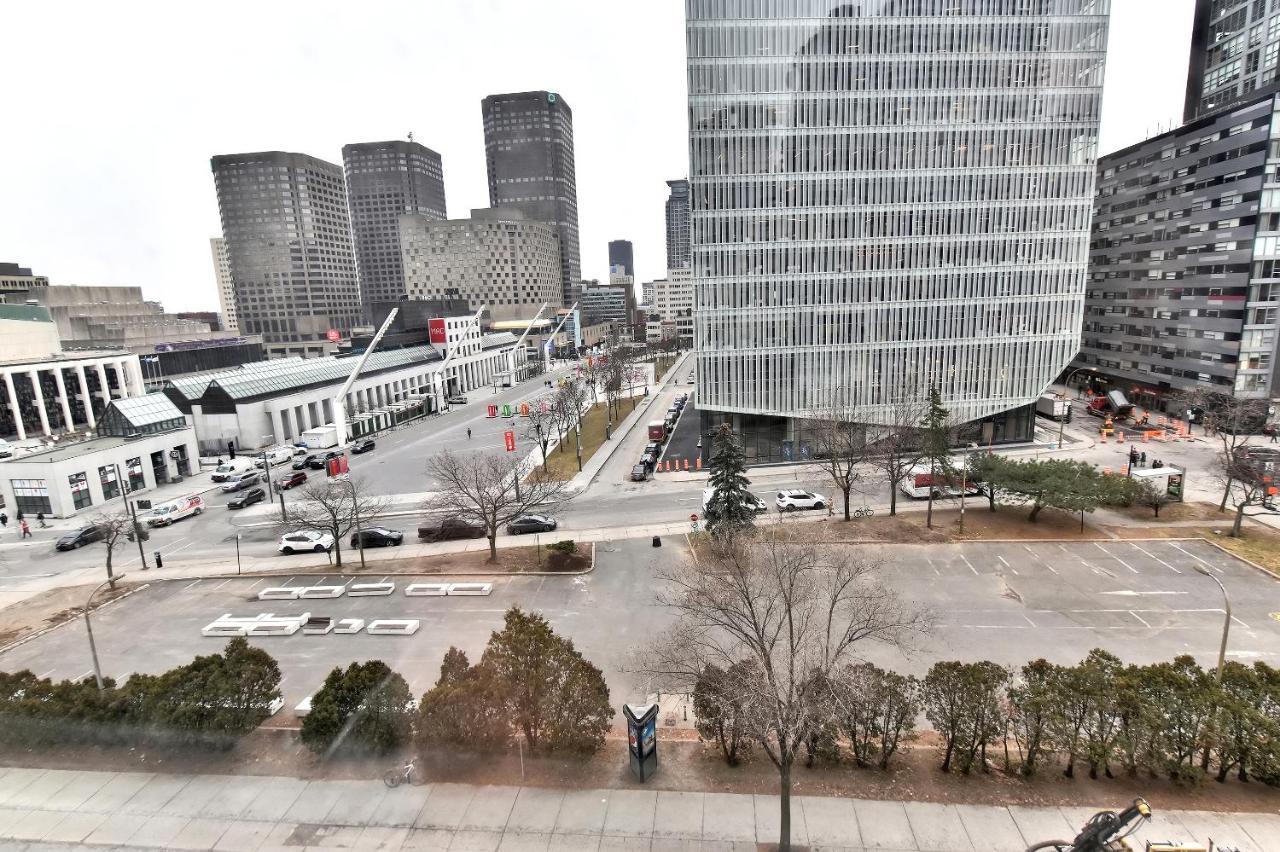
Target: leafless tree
{"x":570,"y":402}
{"x":115,"y":527}
{"x":1234,"y":421}
{"x":336,"y":505}
{"x":1251,"y":485}
{"x":895,"y":449}
{"x":541,"y":423}
{"x":790,"y":613}
{"x":840,"y":446}
{"x":485,"y":488}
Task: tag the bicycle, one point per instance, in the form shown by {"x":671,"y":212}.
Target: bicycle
{"x":408,"y":773}
{"x":1102,"y":833}
{"x":863,"y":512}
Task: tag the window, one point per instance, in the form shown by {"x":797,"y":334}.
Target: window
{"x":30,"y":496}
{"x":79,"y":490}
{"x":137,"y":481}
{"x":110,"y":485}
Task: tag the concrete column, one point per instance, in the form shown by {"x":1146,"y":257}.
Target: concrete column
{"x":104,"y":389}
{"x":34,"y":375}
{"x":68,"y":423}
{"x":13,"y":405}
{"x":303,"y":424}
{"x":86,"y":398}
{"x":134,"y":370}
{"x":277,"y":433}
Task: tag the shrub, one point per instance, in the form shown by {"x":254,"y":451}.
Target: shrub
{"x":463,"y":710}
{"x":567,"y":547}
{"x":363,"y":709}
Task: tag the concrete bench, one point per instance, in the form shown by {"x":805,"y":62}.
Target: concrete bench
{"x":304,"y":707}
{"x":323,"y":592}
{"x":426,"y":589}
{"x":228,"y":625}
{"x":274,"y":628}
{"x":392,"y":627}
{"x":348,"y":625}
{"x":280,"y":593}
{"x":364,"y":590}
{"x":470,"y":588}
{"x":318,"y":625}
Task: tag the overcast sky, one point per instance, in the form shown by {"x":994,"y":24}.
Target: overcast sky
{"x":112,"y":110}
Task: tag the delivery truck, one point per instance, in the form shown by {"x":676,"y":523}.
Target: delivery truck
{"x":1054,"y":407}
{"x":1112,"y":404}
{"x":657,"y":430}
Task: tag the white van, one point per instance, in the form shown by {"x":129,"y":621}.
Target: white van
{"x":176,"y":510}
{"x":232,"y":468}
{"x":274,"y":456}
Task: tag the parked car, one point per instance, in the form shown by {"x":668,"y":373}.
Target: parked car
{"x":751,"y":501}
{"x":795,"y":498}
{"x":248,"y":498}
{"x":531,"y":524}
{"x":307,"y":540}
{"x":363,"y":445}
{"x":231,"y":469}
{"x":640,"y":472}
{"x":449,"y":529}
{"x":653,"y":448}
{"x":649,"y":458}
{"x":292,"y":480}
{"x":305,"y":461}
{"x":377,"y":537}
{"x":241,"y":481}
{"x":318,"y":462}
{"x":457,"y":399}
{"x":81,"y":537}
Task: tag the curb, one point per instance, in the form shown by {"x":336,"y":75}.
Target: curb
{"x":42,"y":631}
{"x":1214,"y":544}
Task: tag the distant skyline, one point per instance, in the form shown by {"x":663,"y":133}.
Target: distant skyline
{"x":105,"y":169}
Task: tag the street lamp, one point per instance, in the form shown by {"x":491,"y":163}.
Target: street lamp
{"x":237,"y":554}
{"x":136,"y":527}
{"x":1062,"y":421}
{"x":88,"y":626}
{"x":1226,"y":622}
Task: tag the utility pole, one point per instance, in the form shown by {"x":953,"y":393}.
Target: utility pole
{"x":266,"y":467}
{"x":133,"y":516}
{"x":88,"y":626}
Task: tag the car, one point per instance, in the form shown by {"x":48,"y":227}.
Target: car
{"x":292,"y":480}
{"x":241,"y":481}
{"x":363,"y":445}
{"x":653,"y":448}
{"x":531,"y":524}
{"x":318,"y":462}
{"x":456,"y":399}
{"x":305,"y":461}
{"x":640,"y":472}
{"x":795,"y":498}
{"x":750,"y":500}
{"x":306,"y":541}
{"x":81,"y":537}
{"x":377,"y":537}
{"x":449,"y":529}
{"x":248,"y":498}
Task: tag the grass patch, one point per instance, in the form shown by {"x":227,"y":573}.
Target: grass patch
{"x":562,"y":462}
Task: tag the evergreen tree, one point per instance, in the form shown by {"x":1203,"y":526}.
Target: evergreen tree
{"x":365,"y":708}
{"x":464,"y":710}
{"x":731,"y":508}
{"x":935,"y":447}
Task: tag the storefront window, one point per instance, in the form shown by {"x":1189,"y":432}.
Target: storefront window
{"x":30,"y":496}
{"x":136,"y":479}
{"x":79,"y":483}
{"x":110,"y":485}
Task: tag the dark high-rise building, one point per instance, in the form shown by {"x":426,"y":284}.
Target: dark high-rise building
{"x":528,"y":146}
{"x":622,"y":254}
{"x":384,"y":181}
{"x":678,"y":225}
{"x":288,"y":236}
{"x":1235,"y":49}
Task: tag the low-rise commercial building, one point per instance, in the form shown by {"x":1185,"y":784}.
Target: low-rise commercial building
{"x":16,"y":280}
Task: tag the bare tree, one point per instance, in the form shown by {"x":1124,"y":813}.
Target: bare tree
{"x":336,"y":505}
{"x":115,"y":528}
{"x":570,"y":401}
{"x":1234,"y":421}
{"x":840,"y":446}
{"x":895,"y":449}
{"x":1251,"y":484}
{"x":541,"y":423}
{"x":485,"y":488}
{"x":789,"y":614}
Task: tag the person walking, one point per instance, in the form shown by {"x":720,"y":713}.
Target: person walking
{"x":4,"y":521}
{"x":468,"y":433}
{"x":40,"y":520}
{"x":26,"y":529}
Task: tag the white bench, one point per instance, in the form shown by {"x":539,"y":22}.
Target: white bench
{"x":228,"y":625}
{"x":392,"y":627}
{"x":274,"y":628}
{"x":426,"y":589}
{"x":304,"y":707}
{"x":318,"y":626}
{"x":348,"y":625}
{"x":323,"y":592}
{"x":363,"y":590}
{"x":280,"y":593}
{"x":470,"y":588}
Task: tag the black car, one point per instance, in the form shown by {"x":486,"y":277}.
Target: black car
{"x":321,"y":462}
{"x":248,"y":498}
{"x":531,"y":524}
{"x":449,"y":529}
{"x":305,"y":462}
{"x":81,"y":537}
{"x":377,"y":537}
{"x":364,"y":445}
{"x":640,"y":472}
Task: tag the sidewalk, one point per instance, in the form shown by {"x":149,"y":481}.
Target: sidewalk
{"x":145,"y":810}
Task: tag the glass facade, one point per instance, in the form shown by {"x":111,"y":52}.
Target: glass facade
{"x":31,"y":496}
{"x":887,"y":195}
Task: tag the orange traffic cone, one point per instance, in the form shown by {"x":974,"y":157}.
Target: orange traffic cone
{"x":686,"y":465}
{"x":698,"y":463}
{"x":1119,"y":437}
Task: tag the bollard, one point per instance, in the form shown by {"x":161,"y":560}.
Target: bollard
{"x":159,"y":561}
{"x":657,"y":541}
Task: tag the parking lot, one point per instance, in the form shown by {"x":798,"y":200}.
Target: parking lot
{"x":1009,"y":602}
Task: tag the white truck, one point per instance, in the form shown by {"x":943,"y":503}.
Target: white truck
{"x":234,"y":467}
{"x":1054,"y":407}
{"x":274,"y":456}
{"x":321,"y":438}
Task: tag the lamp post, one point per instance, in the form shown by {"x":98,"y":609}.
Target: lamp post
{"x":266,"y":468}
{"x":88,"y":626}
{"x":1062,"y":421}
{"x":125,"y":490}
{"x":237,"y":554}
{"x":1226,"y":622}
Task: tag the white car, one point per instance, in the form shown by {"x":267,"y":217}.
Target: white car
{"x":309,"y":540}
{"x":750,"y":500}
{"x":789,"y":501}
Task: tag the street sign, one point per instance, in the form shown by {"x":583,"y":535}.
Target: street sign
{"x":509,"y":438}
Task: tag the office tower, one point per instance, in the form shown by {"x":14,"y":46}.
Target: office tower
{"x":865,"y":225}
{"x":678,"y":225}
{"x":284,"y":217}
{"x":384,"y":181}
{"x":622,"y":254}
{"x":222,"y":277}
{"x":1185,"y":262}
{"x":1235,"y":45}
{"x":528,"y":146}
{"x":497,"y":258}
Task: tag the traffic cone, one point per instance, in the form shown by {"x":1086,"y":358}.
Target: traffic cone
{"x":686,"y":465}
{"x":698,"y":463}
{"x":1119,"y":437}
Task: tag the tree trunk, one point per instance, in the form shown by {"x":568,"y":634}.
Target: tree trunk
{"x":928,"y":518}
{"x":1235,"y":527}
{"x":337,"y":548}
{"x":893,"y":499}
{"x":1035,"y":510}
{"x":847,"y":489}
{"x":946,"y":757}
{"x":493,"y":547}
{"x":784,"y":821}
{"x":1226,"y":494}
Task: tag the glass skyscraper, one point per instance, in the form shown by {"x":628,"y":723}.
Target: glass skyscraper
{"x":888,"y":194}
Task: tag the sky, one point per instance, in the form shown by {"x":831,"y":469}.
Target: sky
{"x":112,"y":111}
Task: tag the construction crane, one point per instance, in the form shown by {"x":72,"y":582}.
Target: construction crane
{"x":340,"y":400}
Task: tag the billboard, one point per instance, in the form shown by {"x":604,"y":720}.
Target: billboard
{"x":509,"y":440}
{"x":436,"y":331}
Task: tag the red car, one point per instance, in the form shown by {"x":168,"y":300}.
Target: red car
{"x":298,"y":477}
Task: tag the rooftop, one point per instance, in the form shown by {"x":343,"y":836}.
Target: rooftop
{"x":66,"y":452}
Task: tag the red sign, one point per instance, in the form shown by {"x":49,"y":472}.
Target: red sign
{"x":492,"y":410}
{"x":436,"y":331}
{"x":510,"y":439}
{"x":334,"y":335}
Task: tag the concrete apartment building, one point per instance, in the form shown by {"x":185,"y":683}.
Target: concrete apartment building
{"x":605,"y":304}
{"x":222,"y":280}
{"x":498,"y":257}
{"x":678,"y":224}
{"x":671,"y":314}
{"x":1235,"y":51}
{"x":865,"y":226}
{"x":288,"y":235}
{"x":16,"y":280}
{"x":1184,"y":286}
{"x":528,"y":146}
{"x":386,"y":180}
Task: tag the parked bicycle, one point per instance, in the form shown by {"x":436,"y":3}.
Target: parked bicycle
{"x":407,"y":774}
{"x":863,"y":512}
{"x":1104,"y":832}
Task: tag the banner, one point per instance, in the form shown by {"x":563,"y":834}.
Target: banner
{"x":509,"y":438}
{"x":436,"y":332}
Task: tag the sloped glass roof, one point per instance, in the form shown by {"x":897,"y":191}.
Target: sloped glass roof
{"x":145,"y":410}
{"x":308,"y":372}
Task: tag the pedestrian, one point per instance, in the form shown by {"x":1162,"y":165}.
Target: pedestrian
{"x":26,"y":529}
{"x":1142,"y":459}
{"x":40,"y":520}
{"x":4,"y":520}
{"x":468,"y":433}
{"x":1274,"y":432}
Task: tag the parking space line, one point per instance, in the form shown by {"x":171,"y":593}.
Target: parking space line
{"x":257,"y":583}
{"x":1140,"y":618}
{"x":1116,"y":558}
{"x":970,"y":564}
{"x":220,"y":585}
{"x":934,"y":567}
{"x":1027,"y":618}
{"x":190,"y":587}
{"x":85,"y":675}
{"x":1156,"y":558}
{"x":1208,"y":565}
{"x":1038,"y":559}
{"x":46,"y":674}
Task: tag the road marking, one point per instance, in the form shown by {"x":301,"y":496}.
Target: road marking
{"x":934,"y":567}
{"x":1117,"y":558}
{"x":85,"y":675}
{"x":1002,"y":560}
{"x":1038,"y":559}
{"x":1063,"y":548}
{"x":1140,"y":618}
{"x":970,"y":564}
{"x":220,"y":585}
{"x":257,"y":583}
{"x":46,"y":674}
{"x":1156,"y":558}
{"x":190,"y":587}
{"x":1028,"y":619}
{"x":1208,"y":565}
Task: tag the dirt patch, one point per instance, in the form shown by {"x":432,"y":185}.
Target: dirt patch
{"x":1009,"y":522}
{"x":511,"y":560}
{"x":562,"y":462}
{"x":1175,"y":513}
{"x":52,"y":607}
